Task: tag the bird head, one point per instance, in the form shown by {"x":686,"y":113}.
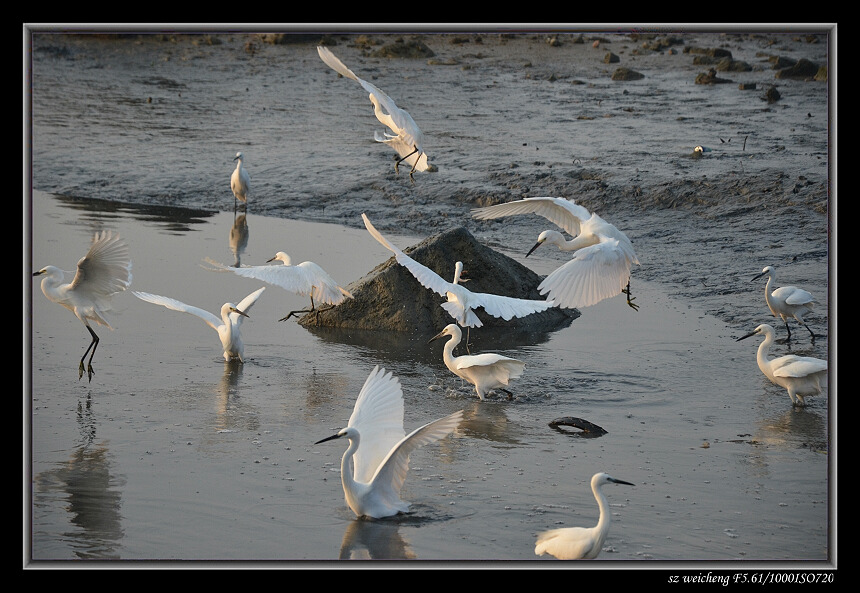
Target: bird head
{"x":235,"y":309}
{"x":348,"y":432}
{"x":762,"y":329}
{"x":281,"y":256}
{"x":541,"y":238}
{"x":766,"y":270}
{"x":450,"y":330}
{"x":603,"y":478}
{"x":238,"y":156}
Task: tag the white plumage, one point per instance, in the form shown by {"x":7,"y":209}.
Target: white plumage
{"x":603,"y":256}
{"x":306,"y":279}
{"x":799,"y":375}
{"x":461,"y":302}
{"x":374,"y":466}
{"x":405,"y":137}
{"x":786,"y":301}
{"x":485,"y":371}
{"x":104,"y":271}
{"x":240,"y":181}
{"x":228,"y":325}
{"x":580,"y":543}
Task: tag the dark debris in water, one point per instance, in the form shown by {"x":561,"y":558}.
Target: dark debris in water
{"x":588,"y":429}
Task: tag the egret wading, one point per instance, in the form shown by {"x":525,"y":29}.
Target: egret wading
{"x":799,"y":375}
{"x":485,"y":371}
{"x":405,"y":137}
{"x":580,"y":543}
{"x":104,"y":271}
{"x":240,"y":182}
{"x":306,"y":279}
{"x":603,"y":256}
{"x":374,"y":466}
{"x":786,"y":301}
{"x":228,"y":325}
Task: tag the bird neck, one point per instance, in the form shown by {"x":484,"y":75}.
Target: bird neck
{"x":578,"y":242}
{"x":762,"y":355}
{"x":604,"y":520}
{"x":448,"y":351}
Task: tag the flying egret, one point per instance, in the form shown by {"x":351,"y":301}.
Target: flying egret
{"x":485,"y":371}
{"x":104,"y":271}
{"x":800,"y":375}
{"x":580,"y":543}
{"x":240,"y":181}
{"x":786,"y":301}
{"x":306,"y":278}
{"x":600,"y":268}
{"x":228,"y":326}
{"x":407,"y":138}
{"x":461,"y":301}
{"x":375,"y":464}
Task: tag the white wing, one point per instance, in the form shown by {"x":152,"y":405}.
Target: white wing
{"x":392,"y":472}
{"x":793,"y":295}
{"x":245,"y":305}
{"x":378,"y":417}
{"x":595,"y":273}
{"x":800,"y":366}
{"x":104,"y":270}
{"x":211,"y":320}
{"x":564,"y":213}
{"x":403,"y":148}
{"x":509,"y":307}
{"x":305,"y":279}
{"x":427,"y":277}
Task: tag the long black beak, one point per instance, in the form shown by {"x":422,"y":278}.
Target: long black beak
{"x":334,"y":436}
{"x":749,"y":335}
{"x":759,"y":276}
{"x":621,"y":482}
{"x":538,"y":244}
{"x":436,"y":337}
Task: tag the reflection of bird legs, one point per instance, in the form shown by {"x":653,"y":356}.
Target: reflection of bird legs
{"x":93,"y":345}
{"x":630,"y":299}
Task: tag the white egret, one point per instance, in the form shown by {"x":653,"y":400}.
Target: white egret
{"x":228,"y":326}
{"x":461,"y":301}
{"x":580,"y":543}
{"x":800,"y":375}
{"x":374,"y":466}
{"x":786,"y":301}
{"x":306,"y":278}
{"x":485,"y":371}
{"x":407,"y":138}
{"x":104,"y":271}
{"x":600,"y":268}
{"x":240,"y":181}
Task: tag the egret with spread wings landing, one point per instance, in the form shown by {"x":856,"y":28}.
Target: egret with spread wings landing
{"x":228,"y":325}
{"x":461,"y":302}
{"x":104,"y":271}
{"x":405,"y":136}
{"x":306,"y":279}
{"x":374,"y":466}
{"x":603,"y":256}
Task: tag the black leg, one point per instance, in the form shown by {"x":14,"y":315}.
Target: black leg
{"x":401,"y":159}
{"x":91,"y":350}
{"x":630,"y":299}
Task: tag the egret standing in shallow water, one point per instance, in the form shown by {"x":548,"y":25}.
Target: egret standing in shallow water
{"x":375,"y":464}
{"x":407,"y":138}
{"x":580,"y":543}
{"x":461,"y":301}
{"x":104,"y":271}
{"x":800,"y":375}
{"x":603,"y":256}
{"x":485,"y":371}
{"x":240,"y":182}
{"x":306,"y":278}
{"x":228,"y":326}
{"x":786,"y":301}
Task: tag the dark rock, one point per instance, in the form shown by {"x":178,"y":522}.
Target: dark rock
{"x":771,"y":95}
{"x":623,"y":73}
{"x":404,"y":49}
{"x":803,"y":70}
{"x":390,"y":298}
{"x":710,"y":77}
{"x":611,"y":58}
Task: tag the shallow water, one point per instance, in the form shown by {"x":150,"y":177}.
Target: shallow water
{"x":171,"y":454}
